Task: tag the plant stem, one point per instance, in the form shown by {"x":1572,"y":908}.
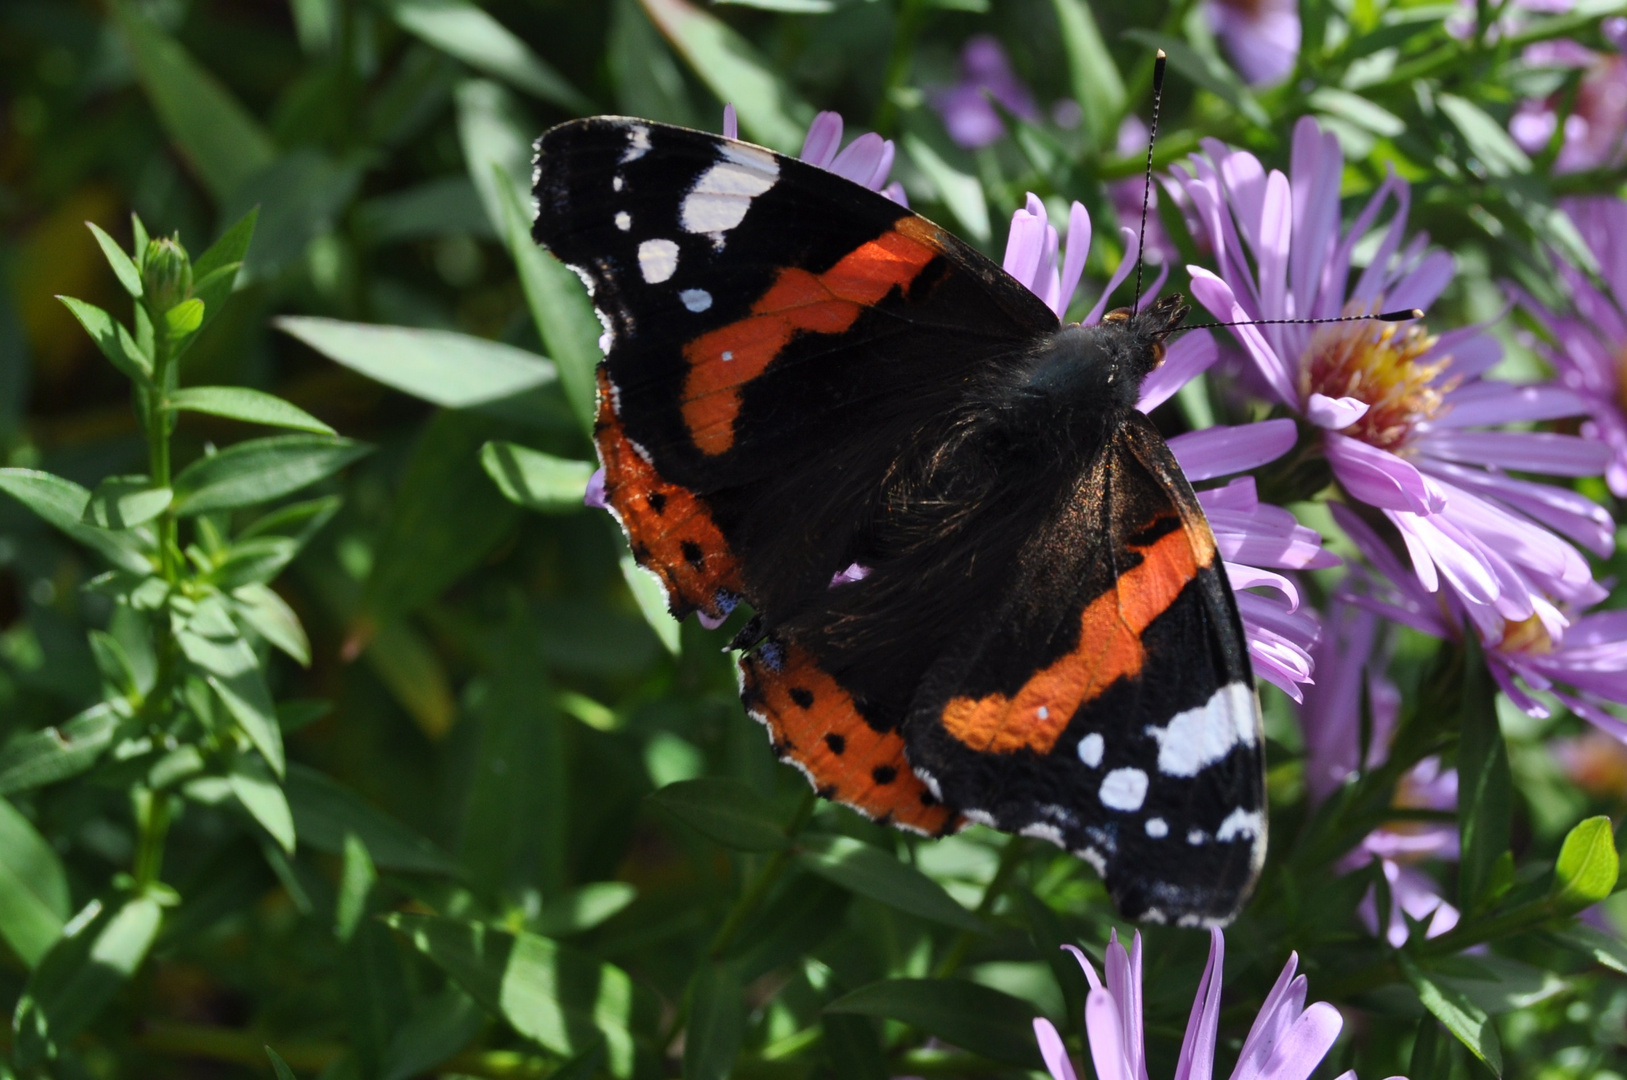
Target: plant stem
{"x":158,"y":431}
{"x":754,"y":892}
{"x":152,"y":820}
{"x":1011,"y":857}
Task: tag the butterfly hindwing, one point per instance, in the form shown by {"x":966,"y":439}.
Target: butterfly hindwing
{"x":1108,"y":706}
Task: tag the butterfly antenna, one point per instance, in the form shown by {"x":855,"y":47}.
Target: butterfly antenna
{"x":1158,"y":65}
{"x":1406,"y":315}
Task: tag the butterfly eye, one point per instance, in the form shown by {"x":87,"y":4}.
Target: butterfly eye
{"x":1158,"y":351}
{"x":1117,"y":315}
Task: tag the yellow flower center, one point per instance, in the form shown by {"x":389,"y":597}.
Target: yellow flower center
{"x":1379,"y":364}
{"x":1526,"y":636}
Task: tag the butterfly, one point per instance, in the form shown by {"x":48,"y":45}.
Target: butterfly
{"x":981,"y":588}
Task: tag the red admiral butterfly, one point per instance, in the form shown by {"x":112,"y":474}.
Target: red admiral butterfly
{"x":802,"y":376}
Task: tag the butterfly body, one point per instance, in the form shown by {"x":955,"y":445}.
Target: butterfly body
{"x":982,"y":588}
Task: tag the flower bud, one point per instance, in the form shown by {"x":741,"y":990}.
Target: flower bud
{"x":166,"y":274}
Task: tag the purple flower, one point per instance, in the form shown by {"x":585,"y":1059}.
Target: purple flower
{"x":985,"y":73}
{"x":1331,"y":720}
{"x":1399,"y":410}
{"x":1563,"y":650}
{"x":1286,"y":1042}
{"x":1587,"y":342}
{"x":1595,"y":131}
{"x":1253,"y":538}
{"x":1262,"y":36}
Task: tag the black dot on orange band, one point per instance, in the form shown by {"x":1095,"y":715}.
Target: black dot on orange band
{"x":803,"y":698}
{"x":884,"y":774}
{"x":657,"y":501}
{"x":693,"y":555}
{"x":836,"y":743}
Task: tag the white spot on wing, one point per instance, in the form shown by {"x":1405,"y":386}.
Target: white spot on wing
{"x":1238,"y":823}
{"x":728,"y":354}
{"x":616,"y":183}
{"x":980,"y":817}
{"x":1091,"y":748}
{"x":1123,"y":789}
{"x":720,"y":198}
{"x":1043,"y":831}
{"x":1202,"y":736}
{"x":638,"y":143}
{"x":1094,"y":858}
{"x":657,"y":260}
{"x":696,"y":299}
{"x":1157,"y":828}
{"x":624,"y":220}
{"x":1197,"y":837}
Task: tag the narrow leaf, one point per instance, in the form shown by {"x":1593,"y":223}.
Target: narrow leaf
{"x":869,"y":871}
{"x":462,"y":30}
{"x":972,"y":1017}
{"x":184,"y":318}
{"x":1588,"y":866}
{"x":252,"y":406}
{"x":439,"y":366}
{"x":1484,"y":786}
{"x":61,"y":503}
{"x":769,"y":110}
{"x":356,"y":878}
{"x":717,"y":1020}
{"x":270,"y":616}
{"x":960,"y":191}
{"x":583,"y":908}
{"x":33,"y":888}
{"x":261,"y":470}
{"x":249,"y":703}
{"x":564,"y":1000}
{"x":325,"y":812}
{"x":57,"y":753}
{"x":113,"y":339}
{"x":123,"y":268}
{"x":123,"y":502}
{"x":226,"y":252}
{"x":725,"y":810}
{"x":80,"y":975}
{"x":1458,"y":1014}
{"x":1486,"y":138}
{"x":535,"y":480}
{"x":215,"y":132}
{"x":260,"y":794}
{"x":652,"y":602}
{"x":253,"y":562}
{"x":279,"y":1066}
{"x":559,"y":305}
{"x":1094,"y":77}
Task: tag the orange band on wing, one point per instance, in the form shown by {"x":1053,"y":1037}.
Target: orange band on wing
{"x":814,"y":725}
{"x":722,"y":361}
{"x":1110,"y":630}
{"x":668,"y":527}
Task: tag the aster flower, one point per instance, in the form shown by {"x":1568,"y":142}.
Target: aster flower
{"x":1396,"y":409}
{"x":1261,"y":36}
{"x":1331,"y":720}
{"x":1256,"y":540}
{"x":1286,"y":1042}
{"x":1587,"y":342}
{"x":1594,"y":135}
{"x":985,"y":72}
{"x":1582,"y":664}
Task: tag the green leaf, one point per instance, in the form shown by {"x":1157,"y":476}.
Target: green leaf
{"x":113,"y":339}
{"x":1588,"y":866}
{"x":972,"y":1017}
{"x":960,"y":191}
{"x":302,"y":197}
{"x":460,"y":29}
{"x":1484,"y":786}
{"x":436,"y":1030}
{"x":324,"y":812}
{"x":279,"y":1066}
{"x":717,"y":1021}
{"x":496,"y":141}
{"x":853,"y":1047}
{"x":114,"y":664}
{"x":652,"y":602}
{"x":184,"y":318}
{"x":534,"y":480}
{"x":1487,"y":140}
{"x":1092,"y":74}
{"x":241,"y":403}
{"x":1598,"y":946}
{"x":223,"y":254}
{"x":61,"y":503}
{"x":100,"y":950}
{"x":559,"y":305}
{"x":123,"y":268}
{"x":260,"y":794}
{"x":123,"y":502}
{"x":217,"y":135}
{"x":583,"y":908}
{"x":1358,"y":110}
{"x":562,"y":999}
{"x":725,"y":810}
{"x":769,"y":110}
{"x":1206,"y":72}
{"x":253,"y":562}
{"x":260,"y":470}
{"x":356,"y":878}
{"x":453,"y":370}
{"x":869,"y":871}
{"x":270,"y":616}
{"x":33,"y":888}
{"x":54,"y":754}
{"x":645,"y":74}
{"x":1458,"y":1014}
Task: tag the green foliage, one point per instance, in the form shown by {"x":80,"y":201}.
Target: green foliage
{"x":330,"y":719}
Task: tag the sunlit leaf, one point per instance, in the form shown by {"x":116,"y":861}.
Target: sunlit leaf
{"x":260,"y":794}
{"x":57,"y":753}
{"x":113,"y":339}
{"x":33,"y":888}
{"x":1093,"y":75}
{"x":1458,"y":1014}
{"x":869,"y":871}
{"x":356,"y":879}
{"x":123,"y":502}
{"x":534,"y":480}
{"x":61,"y":503}
{"x":251,"y":406}
{"x":461,"y":29}
{"x":1588,"y":866}
{"x":123,"y":268}
{"x":652,"y":602}
{"x":261,"y":470}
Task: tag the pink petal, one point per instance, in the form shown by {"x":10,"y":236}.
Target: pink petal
{"x":1527,"y":451}
{"x":1490,"y":402}
{"x":1052,"y":1050}
{"x":859,"y":160}
{"x":1126,"y":264}
{"x":594,"y":496}
{"x":1104,"y":1031}
{"x":1084,"y":962}
{"x":1377,"y":477}
{"x":1334,"y":413}
{"x":824,"y":136}
{"x":1197,"y":1060}
{"x":1217,"y":296}
{"x":1305,"y":1044}
{"x":1220,"y":450}
{"x":1252,"y":577}
{"x":1073,"y":264}
{"x":731,"y":125}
